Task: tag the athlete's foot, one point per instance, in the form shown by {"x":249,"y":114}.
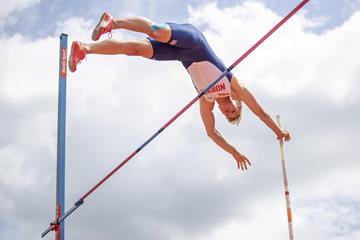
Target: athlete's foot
{"x":76,"y":56}
{"x":104,"y":26}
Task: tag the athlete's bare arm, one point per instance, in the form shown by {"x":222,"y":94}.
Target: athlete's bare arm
{"x":243,"y":94}
{"x":207,"y":115}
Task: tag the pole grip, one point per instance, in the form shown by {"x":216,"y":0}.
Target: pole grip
{"x":281,"y":141}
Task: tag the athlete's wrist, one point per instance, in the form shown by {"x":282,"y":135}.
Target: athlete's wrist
{"x":233,"y":151}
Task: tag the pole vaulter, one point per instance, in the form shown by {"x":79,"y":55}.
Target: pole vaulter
{"x":54,"y":225}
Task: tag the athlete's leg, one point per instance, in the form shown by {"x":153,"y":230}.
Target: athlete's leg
{"x":113,"y":46}
{"x":79,"y":50}
{"x":159,"y":32}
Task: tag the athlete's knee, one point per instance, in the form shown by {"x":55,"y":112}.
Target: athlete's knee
{"x":131,"y":49}
{"x":160,"y":32}
{"x":138,"y":48}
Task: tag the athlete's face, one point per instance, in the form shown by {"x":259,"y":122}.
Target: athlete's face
{"x":229,"y":109}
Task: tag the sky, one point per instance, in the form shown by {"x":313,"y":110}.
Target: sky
{"x":182,"y":186}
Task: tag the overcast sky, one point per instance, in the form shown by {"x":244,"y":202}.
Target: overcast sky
{"x":182,"y":186}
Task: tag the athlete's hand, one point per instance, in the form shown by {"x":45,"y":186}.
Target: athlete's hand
{"x":284,"y":135}
{"x":241,"y":160}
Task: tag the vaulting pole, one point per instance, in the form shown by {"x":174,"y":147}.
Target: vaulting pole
{"x":286,"y":185}
{"x":79,"y":202}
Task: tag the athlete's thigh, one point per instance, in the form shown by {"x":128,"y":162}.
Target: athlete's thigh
{"x":163,"y":52}
{"x":137,"y":48}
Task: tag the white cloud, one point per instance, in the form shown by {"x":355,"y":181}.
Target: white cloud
{"x":8,"y":7}
{"x":13,"y":174}
{"x":19,"y":85}
{"x":308,"y":56}
{"x":182,"y":186}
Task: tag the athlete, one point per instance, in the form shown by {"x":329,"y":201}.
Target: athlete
{"x":185,"y":43}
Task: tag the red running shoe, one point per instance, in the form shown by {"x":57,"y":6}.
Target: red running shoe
{"x":76,"y":56}
{"x":104,"y":26}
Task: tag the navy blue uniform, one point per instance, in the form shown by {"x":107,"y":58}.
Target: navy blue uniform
{"x":189,"y":46}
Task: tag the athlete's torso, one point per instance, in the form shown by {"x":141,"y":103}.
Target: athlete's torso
{"x":203,"y":74}
{"x":201,"y":62}
{"x":189,"y":45}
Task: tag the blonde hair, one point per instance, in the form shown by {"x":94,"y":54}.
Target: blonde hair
{"x":236,"y":120}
